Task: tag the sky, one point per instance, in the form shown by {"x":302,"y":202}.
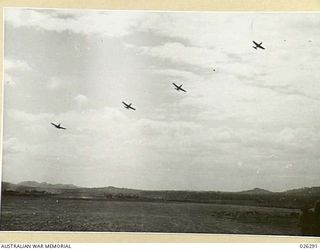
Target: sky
{"x":252,"y":122}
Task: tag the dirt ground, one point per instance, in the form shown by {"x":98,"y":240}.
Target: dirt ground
{"x":25,"y":213}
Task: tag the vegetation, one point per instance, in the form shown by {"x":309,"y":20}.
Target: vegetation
{"x":296,"y":198}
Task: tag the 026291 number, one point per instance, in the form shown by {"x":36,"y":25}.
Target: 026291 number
{"x":309,"y":246}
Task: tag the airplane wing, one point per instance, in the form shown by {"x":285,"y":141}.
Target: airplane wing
{"x":183,"y":90}
{"x":54,"y":124}
{"x":255,"y":43}
{"x":261,"y":47}
{"x":62,"y":128}
{"x":132,"y":108}
{"x":175,"y":85}
{"x":125,"y":104}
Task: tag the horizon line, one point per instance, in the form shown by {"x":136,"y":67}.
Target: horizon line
{"x":163,"y":190}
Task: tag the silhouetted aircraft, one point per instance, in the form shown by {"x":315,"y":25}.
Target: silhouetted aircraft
{"x":257,"y":45}
{"x":57,"y":126}
{"x":178,"y":88}
{"x":128,"y":106}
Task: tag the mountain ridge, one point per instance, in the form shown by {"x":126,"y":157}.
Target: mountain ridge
{"x":46,"y":185}
{"x":256,"y":190}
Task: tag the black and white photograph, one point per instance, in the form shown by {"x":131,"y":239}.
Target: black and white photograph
{"x":161,"y":122}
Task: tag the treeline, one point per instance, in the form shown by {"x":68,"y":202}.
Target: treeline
{"x":26,"y":192}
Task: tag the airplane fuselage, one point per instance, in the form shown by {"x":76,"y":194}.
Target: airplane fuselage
{"x":58,"y":126}
{"x":178,"y":88}
{"x":128,"y":106}
{"x":257,"y":45}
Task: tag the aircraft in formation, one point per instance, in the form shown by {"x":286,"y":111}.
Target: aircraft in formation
{"x":257,"y":45}
{"x":128,"y":106}
{"x":58,"y":126}
{"x":179,"y":88}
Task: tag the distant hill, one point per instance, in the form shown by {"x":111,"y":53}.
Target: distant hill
{"x":46,"y":185}
{"x":116,"y":190}
{"x":295,"y":198}
{"x":305,"y":191}
{"x":8,"y":186}
{"x":256,"y":191}
{"x":111,"y":189}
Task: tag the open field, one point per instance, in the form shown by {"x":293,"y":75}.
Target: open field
{"x":51,"y":214}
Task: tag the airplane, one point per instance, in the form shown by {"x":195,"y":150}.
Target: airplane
{"x":257,"y":45}
{"x":128,"y":106}
{"x":178,"y":88}
{"x":57,"y":126}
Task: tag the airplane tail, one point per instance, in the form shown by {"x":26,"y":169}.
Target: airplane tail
{"x":254,"y":47}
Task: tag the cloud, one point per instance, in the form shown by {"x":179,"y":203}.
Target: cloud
{"x":13,"y":146}
{"x":179,"y":53}
{"x":290,"y":89}
{"x":13,"y":67}
{"x":11,"y":64}
{"x":200,"y":29}
{"x":54,"y":83}
{"x":81,"y":100}
{"x":174,"y":73}
{"x":8,"y":80}
{"x":111,"y":24}
{"x":229,"y":31}
{"x":26,"y":117}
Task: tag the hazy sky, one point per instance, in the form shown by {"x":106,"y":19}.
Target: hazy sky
{"x":253,"y":122}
